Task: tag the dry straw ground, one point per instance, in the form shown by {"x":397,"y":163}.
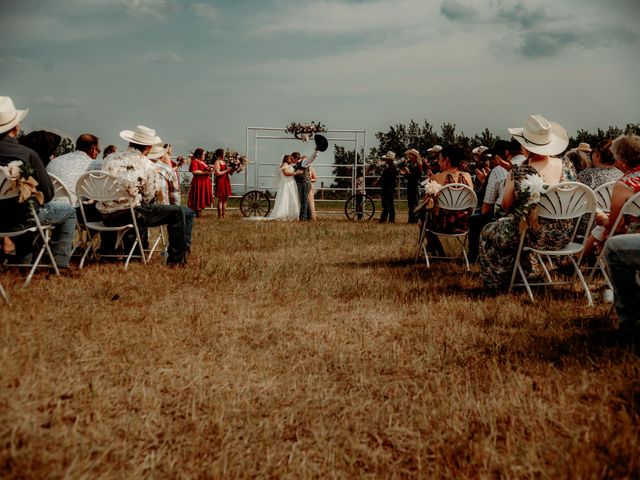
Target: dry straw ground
{"x":308,"y":350}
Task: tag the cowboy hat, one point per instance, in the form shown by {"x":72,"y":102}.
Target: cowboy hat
{"x":321,"y":142}
{"x":413,"y":151}
{"x":478,"y":150}
{"x":584,"y":147}
{"x":159,"y":150}
{"x":541,"y":136}
{"x":9,"y":116}
{"x":389,"y":156}
{"x":435,"y":148}
{"x":141,"y":136}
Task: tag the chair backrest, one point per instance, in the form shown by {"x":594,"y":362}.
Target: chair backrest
{"x":630,"y":207}
{"x":603,"y":196}
{"x":567,"y":200}
{"x":100,"y":186}
{"x":7,"y":189}
{"x":60,"y":191}
{"x":456,"y":196}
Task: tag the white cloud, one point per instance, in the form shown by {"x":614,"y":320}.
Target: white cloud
{"x":11,"y":60}
{"x":206,"y":12}
{"x":34,"y":28}
{"x":59,"y":102}
{"x":164,"y":57}
{"x":157,"y":9}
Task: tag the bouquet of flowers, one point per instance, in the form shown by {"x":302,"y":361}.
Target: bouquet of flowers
{"x":235,"y":162}
{"x":431,"y":189}
{"x":527,"y":198}
{"x":304,"y":131}
{"x":21,"y":177}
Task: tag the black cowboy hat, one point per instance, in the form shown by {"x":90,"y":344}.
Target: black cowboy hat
{"x":321,"y":142}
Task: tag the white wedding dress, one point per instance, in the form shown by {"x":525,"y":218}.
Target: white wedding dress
{"x":287,"y":204}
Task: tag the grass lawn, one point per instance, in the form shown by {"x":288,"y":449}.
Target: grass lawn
{"x":304,"y":350}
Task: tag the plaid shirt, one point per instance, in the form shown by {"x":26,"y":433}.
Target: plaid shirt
{"x":168,"y":184}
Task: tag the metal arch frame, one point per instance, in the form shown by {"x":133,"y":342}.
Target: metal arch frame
{"x":254,"y":134}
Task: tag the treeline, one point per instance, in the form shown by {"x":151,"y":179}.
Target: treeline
{"x":400,"y":137}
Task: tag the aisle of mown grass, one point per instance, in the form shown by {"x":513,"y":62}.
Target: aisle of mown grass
{"x":308,"y":350}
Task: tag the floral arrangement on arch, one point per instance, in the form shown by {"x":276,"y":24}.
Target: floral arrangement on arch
{"x":531,"y":189}
{"x":235,"y":162}
{"x":304,"y":131}
{"x":21,"y":177}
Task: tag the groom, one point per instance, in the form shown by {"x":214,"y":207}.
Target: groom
{"x":303,"y":180}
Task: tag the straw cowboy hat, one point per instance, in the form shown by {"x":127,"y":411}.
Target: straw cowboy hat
{"x":159,"y":150}
{"x":414,"y":152}
{"x":141,"y":136}
{"x":479,"y":150}
{"x":389,"y":156}
{"x":540,"y":136}
{"x":584,"y":147}
{"x":9,"y":116}
{"x":435,"y":149}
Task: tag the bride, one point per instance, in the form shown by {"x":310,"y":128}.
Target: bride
{"x":287,"y":204}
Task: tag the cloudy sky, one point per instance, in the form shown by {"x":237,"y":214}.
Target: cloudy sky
{"x":201,"y":71}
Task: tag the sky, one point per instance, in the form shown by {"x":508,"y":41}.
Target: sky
{"x":200,"y":72}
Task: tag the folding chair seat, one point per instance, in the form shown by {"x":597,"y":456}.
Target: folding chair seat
{"x":98,"y":186}
{"x":631,"y":208}
{"x":7,"y":191}
{"x":454,"y":197}
{"x":564,"y":201}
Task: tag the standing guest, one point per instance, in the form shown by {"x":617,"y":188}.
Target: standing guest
{"x":604,"y":168}
{"x":412,"y":171}
{"x":430,"y":162}
{"x":70,"y":166}
{"x":15,"y":214}
{"x":499,"y":241}
{"x":223,"y":184}
{"x":387,"y":183}
{"x":622,"y":258}
{"x":108,"y":150}
{"x":43,"y":143}
{"x":200,"y":195}
{"x":134,"y":169}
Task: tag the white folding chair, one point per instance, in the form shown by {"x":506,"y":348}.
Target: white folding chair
{"x":603,"y":196}
{"x":456,"y":197}
{"x":564,"y":201}
{"x":98,"y":186}
{"x":632,"y":208}
{"x":7,"y":191}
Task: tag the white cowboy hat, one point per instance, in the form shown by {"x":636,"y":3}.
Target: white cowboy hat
{"x":9,"y":116}
{"x":541,"y":136}
{"x":141,"y":136}
{"x":479,"y":150}
{"x":584,"y":147}
{"x":157,"y":151}
{"x":413,"y":151}
{"x":435,"y":148}
{"x":389,"y":156}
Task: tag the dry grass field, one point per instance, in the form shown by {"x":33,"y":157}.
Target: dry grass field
{"x":301,"y":350}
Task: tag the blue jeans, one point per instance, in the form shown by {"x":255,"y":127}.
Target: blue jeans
{"x":303,"y":192}
{"x":622,"y":257}
{"x":189,"y":215}
{"x":63,"y":218}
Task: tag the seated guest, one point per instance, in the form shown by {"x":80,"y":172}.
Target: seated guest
{"x":499,"y":240}
{"x":604,"y":168}
{"x":70,"y":166}
{"x":42,"y":142}
{"x":622,"y":257}
{"x":138,"y":173}
{"x":108,"y":150}
{"x":169,"y":186}
{"x":579,"y":157}
{"x":450,"y":159}
{"x":16,"y":215}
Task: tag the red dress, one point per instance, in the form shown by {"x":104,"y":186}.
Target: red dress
{"x":200,"y":192}
{"x":223,"y":184}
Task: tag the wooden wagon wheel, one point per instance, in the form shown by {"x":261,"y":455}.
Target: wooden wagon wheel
{"x":359,"y":208}
{"x":255,"y":204}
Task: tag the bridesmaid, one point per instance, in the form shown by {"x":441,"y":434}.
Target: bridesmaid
{"x":223,"y":184}
{"x":200,"y":195}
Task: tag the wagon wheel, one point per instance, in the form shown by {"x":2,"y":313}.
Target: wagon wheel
{"x":359,"y":207}
{"x":255,"y":204}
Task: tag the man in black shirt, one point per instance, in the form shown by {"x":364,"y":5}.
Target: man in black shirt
{"x":16,"y":215}
{"x":387,"y":183}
